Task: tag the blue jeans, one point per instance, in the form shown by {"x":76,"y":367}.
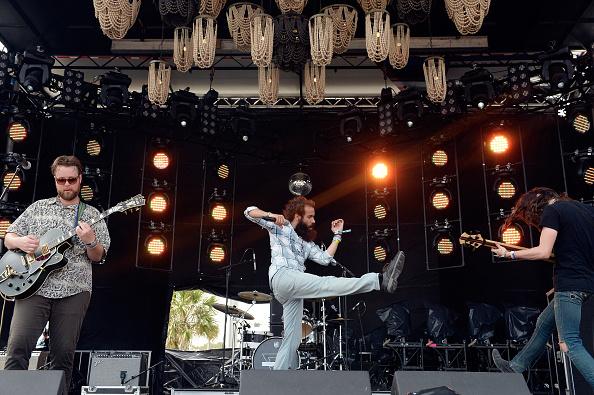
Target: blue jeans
{"x":566,"y":313}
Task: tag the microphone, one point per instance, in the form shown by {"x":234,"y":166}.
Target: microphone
{"x":254,"y":258}
{"x":21,"y":160}
{"x":355,"y":307}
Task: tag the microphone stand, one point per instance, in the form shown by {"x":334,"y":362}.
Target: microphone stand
{"x":150,"y":368}
{"x":343,"y":358}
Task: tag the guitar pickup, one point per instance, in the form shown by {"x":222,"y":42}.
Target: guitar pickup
{"x":45,"y":249}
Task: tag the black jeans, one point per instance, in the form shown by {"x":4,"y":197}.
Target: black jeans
{"x":30,"y":315}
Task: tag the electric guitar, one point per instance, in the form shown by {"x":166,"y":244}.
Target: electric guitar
{"x":22,"y":274}
{"x":475,"y":240}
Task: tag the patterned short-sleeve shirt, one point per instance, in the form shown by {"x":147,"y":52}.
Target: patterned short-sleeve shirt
{"x":47,"y":214}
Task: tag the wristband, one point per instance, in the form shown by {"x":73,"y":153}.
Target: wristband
{"x":92,"y":244}
{"x":512,"y":255}
{"x":337,"y":238}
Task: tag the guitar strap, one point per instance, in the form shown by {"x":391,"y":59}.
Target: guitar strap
{"x":80,"y":209}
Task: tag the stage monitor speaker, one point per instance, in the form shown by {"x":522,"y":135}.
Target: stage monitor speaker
{"x":304,"y":382}
{"x":463,"y":383}
{"x":37,"y":360}
{"x":28,"y":382}
{"x":113,"y":368}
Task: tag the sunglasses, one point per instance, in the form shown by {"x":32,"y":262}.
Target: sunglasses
{"x":70,"y":180}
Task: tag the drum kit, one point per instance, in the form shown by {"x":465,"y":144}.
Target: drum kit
{"x":258,"y":350}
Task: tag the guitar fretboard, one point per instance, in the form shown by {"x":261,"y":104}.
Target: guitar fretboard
{"x":71,"y":234}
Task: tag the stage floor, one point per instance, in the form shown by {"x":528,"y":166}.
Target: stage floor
{"x":232,"y":392}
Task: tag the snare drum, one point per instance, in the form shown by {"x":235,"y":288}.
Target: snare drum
{"x":265,"y":355}
{"x":255,"y":337}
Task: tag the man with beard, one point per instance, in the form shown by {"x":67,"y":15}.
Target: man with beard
{"x":291,"y":241}
{"x":64,"y":297}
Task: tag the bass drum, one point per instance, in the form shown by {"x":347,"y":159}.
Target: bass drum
{"x":265,"y":354}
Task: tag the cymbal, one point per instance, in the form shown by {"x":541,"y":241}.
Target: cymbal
{"x":340,"y":319}
{"x":255,"y":296}
{"x":233,"y":311}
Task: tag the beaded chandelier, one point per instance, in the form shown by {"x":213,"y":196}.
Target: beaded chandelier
{"x":268,"y":83}
{"x":435,"y":78}
{"x":321,"y":39}
{"x":468,"y":15}
{"x":239,"y":17}
{"x":159,"y":76}
{"x":315,"y":82}
{"x":211,"y":7}
{"x":291,"y":42}
{"x":262,"y":38}
{"x":372,"y":5}
{"x":204,"y":41}
{"x":295,"y":6}
{"x":400,"y":45}
{"x":116,"y":17}
{"x":378,"y":35}
{"x":345,"y":25}
{"x":182,"y":49}
{"x":177,"y":13}
{"x":413,"y":11}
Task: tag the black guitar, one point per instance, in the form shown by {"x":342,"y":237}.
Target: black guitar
{"x":21,"y":274}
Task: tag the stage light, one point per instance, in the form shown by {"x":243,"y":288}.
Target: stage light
{"x":161,"y":160}
{"x":5,"y":63}
{"x":17,"y":131}
{"x":147,"y":109}
{"x":209,"y":114}
{"x":93,"y":147}
{"x":223,"y":171}
{"x":16,"y":182}
{"x":35,"y":69}
{"x":386,"y":112}
{"x":4,"y":224}
{"x":183,"y":107}
{"x":380,"y":253}
{"x":581,"y":123}
{"x":86,"y":193}
{"x":114,"y":90}
{"x":217,"y":252}
{"x":380,"y":211}
{"x":589,"y":175}
{"x":511,"y":235}
{"x":379,"y":171}
{"x":158,"y":202}
{"x":243,"y":123}
{"x":478,"y":87}
{"x":441,"y":199}
{"x":519,"y":82}
{"x":558,"y":73}
{"x":72,"y":91}
{"x":506,"y":188}
{"x":444,"y":245}
{"x":300,"y":184}
{"x":155,"y":245}
{"x":409,"y":106}
{"x":453,"y":103}
{"x":439,"y":158}
{"x":350,"y":124}
{"x":498,"y":144}
{"x":218,"y":212}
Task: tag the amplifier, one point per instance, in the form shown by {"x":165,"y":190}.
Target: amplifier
{"x":37,"y":360}
{"x":110,"y":390}
{"x":116,"y":368}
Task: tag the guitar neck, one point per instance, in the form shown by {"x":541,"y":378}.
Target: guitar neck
{"x":71,"y":234}
{"x":510,"y":247}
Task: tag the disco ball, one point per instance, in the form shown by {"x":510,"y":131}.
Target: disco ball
{"x":300,"y":184}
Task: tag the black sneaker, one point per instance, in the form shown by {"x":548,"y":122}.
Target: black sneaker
{"x":503,"y":365}
{"x":391,"y":271}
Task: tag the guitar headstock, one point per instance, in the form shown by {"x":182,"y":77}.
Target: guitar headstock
{"x":473,"y":240}
{"x":134,"y":202}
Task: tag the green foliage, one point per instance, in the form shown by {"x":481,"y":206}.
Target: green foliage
{"x":191,"y":314}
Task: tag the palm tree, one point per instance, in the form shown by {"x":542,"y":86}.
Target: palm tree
{"x":191,"y":314}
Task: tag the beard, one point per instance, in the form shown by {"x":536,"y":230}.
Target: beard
{"x":307,"y":233}
{"x":68,"y":195}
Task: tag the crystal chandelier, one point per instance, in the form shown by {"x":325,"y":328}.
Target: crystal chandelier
{"x":413,"y":11}
{"x":262,"y":37}
{"x":344,"y":17}
{"x":467,"y":15}
{"x":268,"y":83}
{"x":295,"y":6}
{"x":211,"y":7}
{"x":182,"y":49}
{"x":435,"y":78}
{"x":291,"y":42}
{"x":378,"y":35}
{"x":177,"y":13}
{"x":400,"y":45}
{"x":321,"y":39}
{"x":158,"y":81}
{"x":116,"y":16}
{"x":372,"y":5}
{"x":239,"y":17}
{"x":204,"y":41}
{"x":315,"y":82}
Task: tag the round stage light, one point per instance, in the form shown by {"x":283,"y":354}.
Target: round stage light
{"x":512,"y":235}
{"x":218,"y":212}
{"x":499,"y":144}
{"x":93,"y":147}
{"x":379,"y":171}
{"x":223,"y":171}
{"x":4,"y":224}
{"x":155,"y":245}
{"x":86,"y":193}
{"x":440,"y":199}
{"x":161,"y":160}
{"x":380,"y":211}
{"x":380,"y":253}
{"x":444,"y":245}
{"x":158,"y":202}
{"x":16,"y":183}
{"x":589,"y":175}
{"x":17,"y":131}
{"x":581,"y":123}
{"x":439,"y":158}
{"x":217,"y":253}
{"x":506,"y":189}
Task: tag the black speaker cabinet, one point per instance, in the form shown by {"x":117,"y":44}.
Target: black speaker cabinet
{"x":28,"y":382}
{"x":463,"y":383}
{"x":304,"y":382}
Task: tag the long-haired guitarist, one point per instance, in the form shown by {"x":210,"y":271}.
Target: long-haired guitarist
{"x":567,"y":227}
{"x":64,"y":296}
